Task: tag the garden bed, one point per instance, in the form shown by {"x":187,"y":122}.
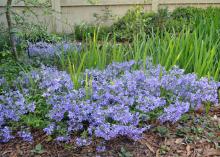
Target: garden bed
{"x":197,"y":136}
{"x":157,"y":94}
{"x":125,"y":101}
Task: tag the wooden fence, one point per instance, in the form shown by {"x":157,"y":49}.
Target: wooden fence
{"x":67,"y":13}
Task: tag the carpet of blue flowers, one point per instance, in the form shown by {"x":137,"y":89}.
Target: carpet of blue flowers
{"x":48,"y":50}
{"x":116,"y":101}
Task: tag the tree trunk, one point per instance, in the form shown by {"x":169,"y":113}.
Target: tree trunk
{"x":10,"y":29}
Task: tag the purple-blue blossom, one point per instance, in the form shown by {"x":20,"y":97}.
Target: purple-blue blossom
{"x":50,"y":129}
{"x":26,"y":136}
{"x":174,"y":112}
{"x":120,"y":98}
{"x":5,"y":134}
{"x":101,"y":148}
{"x":62,"y":138}
{"x":83,"y":141}
{"x":2,"y":81}
{"x":48,"y":50}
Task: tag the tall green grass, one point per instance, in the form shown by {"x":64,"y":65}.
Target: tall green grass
{"x":195,"y":50}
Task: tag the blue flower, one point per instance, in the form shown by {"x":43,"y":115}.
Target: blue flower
{"x":119,"y":101}
{"x":5,"y":134}
{"x":101,"y":148}
{"x":26,"y":136}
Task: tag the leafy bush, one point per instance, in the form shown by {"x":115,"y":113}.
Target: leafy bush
{"x":37,"y":33}
{"x":137,"y":21}
{"x":28,"y":34}
{"x":132,"y":23}
{"x":187,"y":13}
{"x":9,"y":68}
{"x":84,"y":30}
{"x":32,"y":33}
{"x":4,"y":38}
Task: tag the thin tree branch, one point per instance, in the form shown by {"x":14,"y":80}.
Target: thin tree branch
{"x":10,"y":28}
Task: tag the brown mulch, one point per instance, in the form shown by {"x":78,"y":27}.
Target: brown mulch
{"x":196,"y":136}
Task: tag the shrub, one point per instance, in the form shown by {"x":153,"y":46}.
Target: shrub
{"x":89,"y":30}
{"x":4,"y":38}
{"x":132,"y":23}
{"x":137,"y":21}
{"x":187,"y":13}
{"x":9,"y":68}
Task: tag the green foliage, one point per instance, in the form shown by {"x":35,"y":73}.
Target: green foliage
{"x":195,"y":50}
{"x":17,"y":21}
{"x":188,"y":37}
{"x":9,"y":68}
{"x":99,"y":27}
{"x":124,"y":153}
{"x":185,"y":118}
{"x":35,"y":33}
{"x":38,"y":149}
{"x":162,"y":131}
{"x":84,"y":30}
{"x":38,"y":119}
{"x":185,"y":13}
{"x":4,"y":40}
{"x":134,"y":22}
{"x":137,"y":21}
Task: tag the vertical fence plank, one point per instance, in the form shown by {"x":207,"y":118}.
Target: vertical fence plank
{"x":155,"y":5}
{"x":57,"y":16}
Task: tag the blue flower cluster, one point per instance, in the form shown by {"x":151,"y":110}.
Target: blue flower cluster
{"x":43,"y":49}
{"x":26,"y":136}
{"x":12,"y":106}
{"x":110,"y":103}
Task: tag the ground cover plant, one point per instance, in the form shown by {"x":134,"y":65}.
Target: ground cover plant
{"x":116,"y":101}
{"x":98,"y":91}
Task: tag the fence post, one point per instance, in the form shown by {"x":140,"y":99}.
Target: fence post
{"x":57,"y":16}
{"x":155,"y":5}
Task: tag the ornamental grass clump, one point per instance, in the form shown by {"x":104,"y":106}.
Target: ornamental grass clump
{"x":116,"y":101}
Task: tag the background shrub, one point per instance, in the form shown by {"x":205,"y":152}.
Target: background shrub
{"x":82,"y":31}
{"x":4,"y":38}
{"x":137,"y":21}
